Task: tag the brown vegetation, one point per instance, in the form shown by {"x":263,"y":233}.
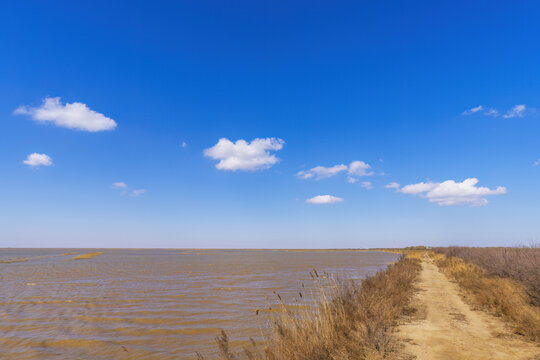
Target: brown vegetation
{"x":87,"y":256}
{"x":418,"y":247}
{"x":501,"y":296}
{"x":353,"y":321}
{"x":518,"y":263}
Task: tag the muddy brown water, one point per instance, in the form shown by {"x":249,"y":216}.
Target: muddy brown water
{"x":153,"y":304}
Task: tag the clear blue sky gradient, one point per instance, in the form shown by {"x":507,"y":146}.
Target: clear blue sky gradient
{"x":337,"y":81}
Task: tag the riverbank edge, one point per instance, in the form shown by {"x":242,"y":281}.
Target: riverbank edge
{"x":352,"y":321}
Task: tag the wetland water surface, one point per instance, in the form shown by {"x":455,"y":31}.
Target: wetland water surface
{"x":152,"y":304}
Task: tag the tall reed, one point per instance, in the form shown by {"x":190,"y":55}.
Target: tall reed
{"x":351,"y":321}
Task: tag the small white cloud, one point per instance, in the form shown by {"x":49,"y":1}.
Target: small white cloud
{"x":392,"y":185}
{"x":324,"y":199}
{"x":473,"y":110}
{"x":354,"y":170}
{"x":243,"y":155}
{"x":119,"y":185}
{"x":321,"y":172}
{"x":137,"y":192}
{"x":37,"y":160}
{"x":357,"y":169}
{"x":184,"y":144}
{"x":450,"y":192}
{"x":537,"y":162}
{"x":366,"y":185}
{"x":72,"y":116}
{"x":516,"y":111}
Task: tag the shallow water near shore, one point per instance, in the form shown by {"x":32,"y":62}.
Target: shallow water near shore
{"x":153,"y":304}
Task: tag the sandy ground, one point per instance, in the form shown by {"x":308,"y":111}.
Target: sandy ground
{"x":449,"y":329}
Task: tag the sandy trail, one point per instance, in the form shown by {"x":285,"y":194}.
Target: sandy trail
{"x":451,"y":330}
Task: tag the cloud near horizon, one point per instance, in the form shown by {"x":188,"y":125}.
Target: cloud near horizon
{"x":324,"y":199}
{"x":355,"y":170}
{"x":36,"y":160}
{"x":243,"y":155}
{"x":75,"y":116}
{"x":450,"y":192}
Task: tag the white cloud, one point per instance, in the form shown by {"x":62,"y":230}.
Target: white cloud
{"x":473,"y":110}
{"x":124,"y":187}
{"x":366,"y":185}
{"x":137,"y":192}
{"x":324,"y":199}
{"x":421,"y":187}
{"x":516,"y":111}
{"x":537,"y":162}
{"x":184,"y":144}
{"x":354,"y":170}
{"x":392,"y":185}
{"x":321,"y":172}
{"x":357,"y":169}
{"x":72,"y":116}
{"x":243,"y":155}
{"x":450,"y":192}
{"x":37,"y":160}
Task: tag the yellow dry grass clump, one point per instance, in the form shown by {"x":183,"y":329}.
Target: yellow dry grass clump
{"x":87,"y":256}
{"x":351,"y":321}
{"x":503,"y":297}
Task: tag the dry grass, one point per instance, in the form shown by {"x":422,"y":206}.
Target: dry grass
{"x":351,"y":321}
{"x":518,"y":263}
{"x":501,"y":296}
{"x":87,"y":256}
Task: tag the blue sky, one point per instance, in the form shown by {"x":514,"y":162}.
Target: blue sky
{"x":321,"y":84}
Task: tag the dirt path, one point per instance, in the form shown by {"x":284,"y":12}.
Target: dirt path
{"x":451,"y":330}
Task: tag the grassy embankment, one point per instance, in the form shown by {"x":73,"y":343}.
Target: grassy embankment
{"x":357,"y":321}
{"x":351,"y":321}
{"x":502,"y":281}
